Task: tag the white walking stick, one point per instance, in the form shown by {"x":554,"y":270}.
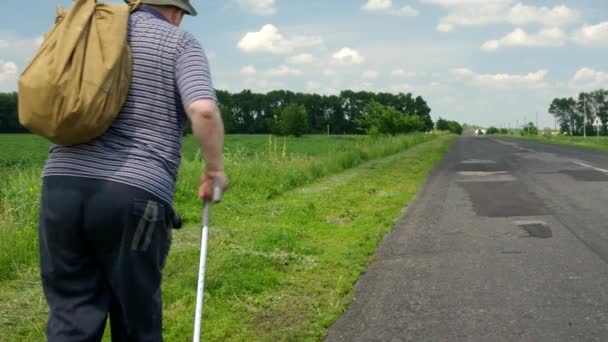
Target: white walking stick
{"x":217,"y":196}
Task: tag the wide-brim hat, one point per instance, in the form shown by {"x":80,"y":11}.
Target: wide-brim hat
{"x":182,"y":4}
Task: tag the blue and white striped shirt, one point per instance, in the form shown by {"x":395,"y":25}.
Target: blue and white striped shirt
{"x":142,"y":148}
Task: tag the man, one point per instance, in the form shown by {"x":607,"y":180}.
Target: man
{"x":105,"y":217}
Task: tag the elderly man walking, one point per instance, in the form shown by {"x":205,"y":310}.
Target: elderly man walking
{"x":105,"y":216}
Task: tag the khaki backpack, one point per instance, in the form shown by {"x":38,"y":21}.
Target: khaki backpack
{"x":79,"y":79}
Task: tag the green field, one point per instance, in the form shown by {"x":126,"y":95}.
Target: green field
{"x":303,"y":218}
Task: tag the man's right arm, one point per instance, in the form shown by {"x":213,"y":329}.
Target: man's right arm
{"x":208,"y":130}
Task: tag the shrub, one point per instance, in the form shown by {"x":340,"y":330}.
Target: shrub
{"x":293,"y":120}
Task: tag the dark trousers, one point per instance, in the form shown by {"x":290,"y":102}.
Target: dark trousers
{"x":103,"y":246}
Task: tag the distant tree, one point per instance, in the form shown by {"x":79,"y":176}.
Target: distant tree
{"x":455,"y":127}
{"x":492,"y":130}
{"x":388,"y":120}
{"x":293,"y":120}
{"x":442,"y":125}
{"x":449,"y":126}
{"x":504,"y":131}
{"x":9,"y":119}
{"x":529,"y":129}
{"x":566,"y":114}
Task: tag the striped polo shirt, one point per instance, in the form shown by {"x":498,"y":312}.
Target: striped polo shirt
{"x":142,"y":148}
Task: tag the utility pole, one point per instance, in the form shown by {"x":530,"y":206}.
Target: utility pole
{"x":585,"y":117}
{"x":597,"y":127}
{"x":555,"y":123}
{"x":537,"y":127}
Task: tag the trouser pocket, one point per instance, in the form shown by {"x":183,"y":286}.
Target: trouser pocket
{"x":152,"y":228}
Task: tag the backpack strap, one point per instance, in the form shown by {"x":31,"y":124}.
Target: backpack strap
{"x":134,"y":5}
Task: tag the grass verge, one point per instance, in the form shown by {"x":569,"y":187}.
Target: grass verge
{"x":280,"y":269}
{"x":258,"y":173}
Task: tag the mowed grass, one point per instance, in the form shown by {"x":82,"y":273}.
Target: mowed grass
{"x":286,"y":245}
{"x":590,"y":142}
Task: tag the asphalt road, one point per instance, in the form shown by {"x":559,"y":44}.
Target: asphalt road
{"x":507,"y":241}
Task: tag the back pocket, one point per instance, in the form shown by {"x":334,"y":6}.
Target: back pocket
{"x":149,"y":216}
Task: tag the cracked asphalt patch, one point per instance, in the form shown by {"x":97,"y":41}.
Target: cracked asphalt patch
{"x":503,"y":199}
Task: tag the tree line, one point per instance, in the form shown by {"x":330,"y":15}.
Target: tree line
{"x":570,"y":113}
{"x":247,"y":112}
{"x":9,"y":120}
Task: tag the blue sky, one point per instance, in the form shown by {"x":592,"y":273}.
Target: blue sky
{"x":487,"y":62}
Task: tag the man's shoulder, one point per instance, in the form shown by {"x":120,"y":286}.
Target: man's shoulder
{"x":187,"y":38}
{"x":159,"y":24}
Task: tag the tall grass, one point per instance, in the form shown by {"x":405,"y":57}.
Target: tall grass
{"x":257,"y":174}
{"x":19,"y":205}
{"x":263,"y":176}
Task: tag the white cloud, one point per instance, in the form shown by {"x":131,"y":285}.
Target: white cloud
{"x":348,"y":56}
{"x":329,"y":72}
{"x":461,"y":72}
{"x":519,"y":37}
{"x":317,"y":88}
{"x":405,"y":11}
{"x":38,"y":41}
{"x":370,"y":74}
{"x":223,"y":86}
{"x":20,"y":44}
{"x":593,"y":36}
{"x":403,"y":73}
{"x":304,"y":58}
{"x":530,"y":80}
{"x":248,"y":70}
{"x":548,"y":17}
{"x":312,"y":86}
{"x":402,"y":88}
{"x":387,"y":7}
{"x":284,"y":70}
{"x":443,"y":27}
{"x":466,"y":13}
{"x":363,"y":86}
{"x":262,"y":85}
{"x":589,"y":79}
{"x":18,"y":48}
{"x":9,"y":68}
{"x":330,"y":91}
{"x":259,"y":7}
{"x":377,"y":5}
{"x":8,"y":76}
{"x":269,"y":40}
{"x":502,"y":81}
